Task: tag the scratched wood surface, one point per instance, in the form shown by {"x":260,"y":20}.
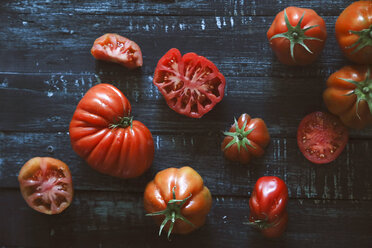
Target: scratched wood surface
{"x":46,"y":67}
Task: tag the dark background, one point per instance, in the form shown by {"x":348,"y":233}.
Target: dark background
{"x":46,"y":67}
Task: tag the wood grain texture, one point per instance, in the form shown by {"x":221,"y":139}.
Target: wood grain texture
{"x":346,"y":178}
{"x":171,"y":7}
{"x":108,"y":219}
{"x":46,"y":103}
{"x":46,"y":67}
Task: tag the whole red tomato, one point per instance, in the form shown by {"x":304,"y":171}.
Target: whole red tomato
{"x":354,"y":32}
{"x":46,"y":185}
{"x":246,"y":138}
{"x":297,"y":36}
{"x":268,"y":206}
{"x":349,"y":95}
{"x":117,"y":49}
{"x":191,"y":84}
{"x":181,"y":197}
{"x":103,"y":132}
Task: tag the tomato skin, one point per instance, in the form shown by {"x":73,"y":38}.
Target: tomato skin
{"x":191,"y":84}
{"x":281,"y":46}
{"x":268,"y":205}
{"x":118,"y":49}
{"x":124,"y":152}
{"x":46,"y":185}
{"x":259,"y":138}
{"x":338,"y":101}
{"x":158,"y":192}
{"x":356,"y":17}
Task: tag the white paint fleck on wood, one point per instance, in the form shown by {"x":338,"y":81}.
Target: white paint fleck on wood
{"x":218,"y":22}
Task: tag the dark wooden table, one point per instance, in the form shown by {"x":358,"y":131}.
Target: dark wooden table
{"x":46,"y":67}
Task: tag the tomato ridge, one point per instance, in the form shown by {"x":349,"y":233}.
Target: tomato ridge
{"x":172,"y":212}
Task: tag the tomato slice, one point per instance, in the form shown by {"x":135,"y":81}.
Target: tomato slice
{"x":321,"y":137}
{"x":117,"y":49}
{"x":46,"y":185}
{"x":191,"y":85}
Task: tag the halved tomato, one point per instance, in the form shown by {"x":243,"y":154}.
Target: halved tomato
{"x":117,"y":49}
{"x":46,"y":185}
{"x":321,"y":137}
{"x":191,"y":84}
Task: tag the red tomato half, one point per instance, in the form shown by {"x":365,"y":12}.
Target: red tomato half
{"x":117,"y":49}
{"x":103,"y":132}
{"x":297,"y":36}
{"x":321,"y":137}
{"x":191,"y":84}
{"x":268,"y":206}
{"x":46,"y":185}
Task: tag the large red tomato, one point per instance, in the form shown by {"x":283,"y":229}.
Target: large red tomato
{"x":354,"y":32}
{"x":349,"y":95}
{"x":246,"y":138}
{"x":178,"y":200}
{"x":297,"y":36}
{"x":46,"y":185}
{"x":268,"y":206}
{"x":117,"y":49}
{"x":103,"y":132}
{"x":191,"y":84}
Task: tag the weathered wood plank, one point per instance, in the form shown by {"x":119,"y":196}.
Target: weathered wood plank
{"x":346,"y":178}
{"x":46,"y":102}
{"x":237,"y":45}
{"x":169,"y":7}
{"x":106,"y":219}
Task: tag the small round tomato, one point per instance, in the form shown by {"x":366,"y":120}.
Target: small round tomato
{"x":268,"y":206}
{"x":191,"y":84}
{"x":349,"y":95}
{"x":181,"y":197}
{"x":46,"y":185}
{"x":321,"y":137}
{"x":297,"y":36}
{"x":246,"y":138}
{"x":117,"y":49}
{"x":103,"y":132}
{"x":354,"y":32}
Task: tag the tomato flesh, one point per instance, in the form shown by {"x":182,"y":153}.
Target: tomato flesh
{"x":321,"y":137}
{"x":117,"y":49}
{"x":192,"y":85}
{"x":46,"y":185}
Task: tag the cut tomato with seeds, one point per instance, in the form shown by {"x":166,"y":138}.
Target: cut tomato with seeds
{"x":46,"y":185}
{"x":191,"y":84}
{"x":321,"y":137}
{"x":117,"y":49}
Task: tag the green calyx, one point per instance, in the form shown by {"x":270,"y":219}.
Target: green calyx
{"x":123,"y":122}
{"x":365,"y":39}
{"x":172,"y":213}
{"x":363,"y":91}
{"x":261,"y":224}
{"x":296,"y":35}
{"x":239,"y":136}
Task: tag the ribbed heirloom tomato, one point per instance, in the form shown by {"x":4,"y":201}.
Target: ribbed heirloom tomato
{"x":268,"y":206}
{"x":103,"y":132}
{"x":297,"y":36}
{"x":117,"y":49}
{"x":354,"y":32}
{"x":178,"y":200}
{"x":191,"y":84}
{"x":349,"y":95}
{"x":46,"y":185}
{"x":246,"y":138}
